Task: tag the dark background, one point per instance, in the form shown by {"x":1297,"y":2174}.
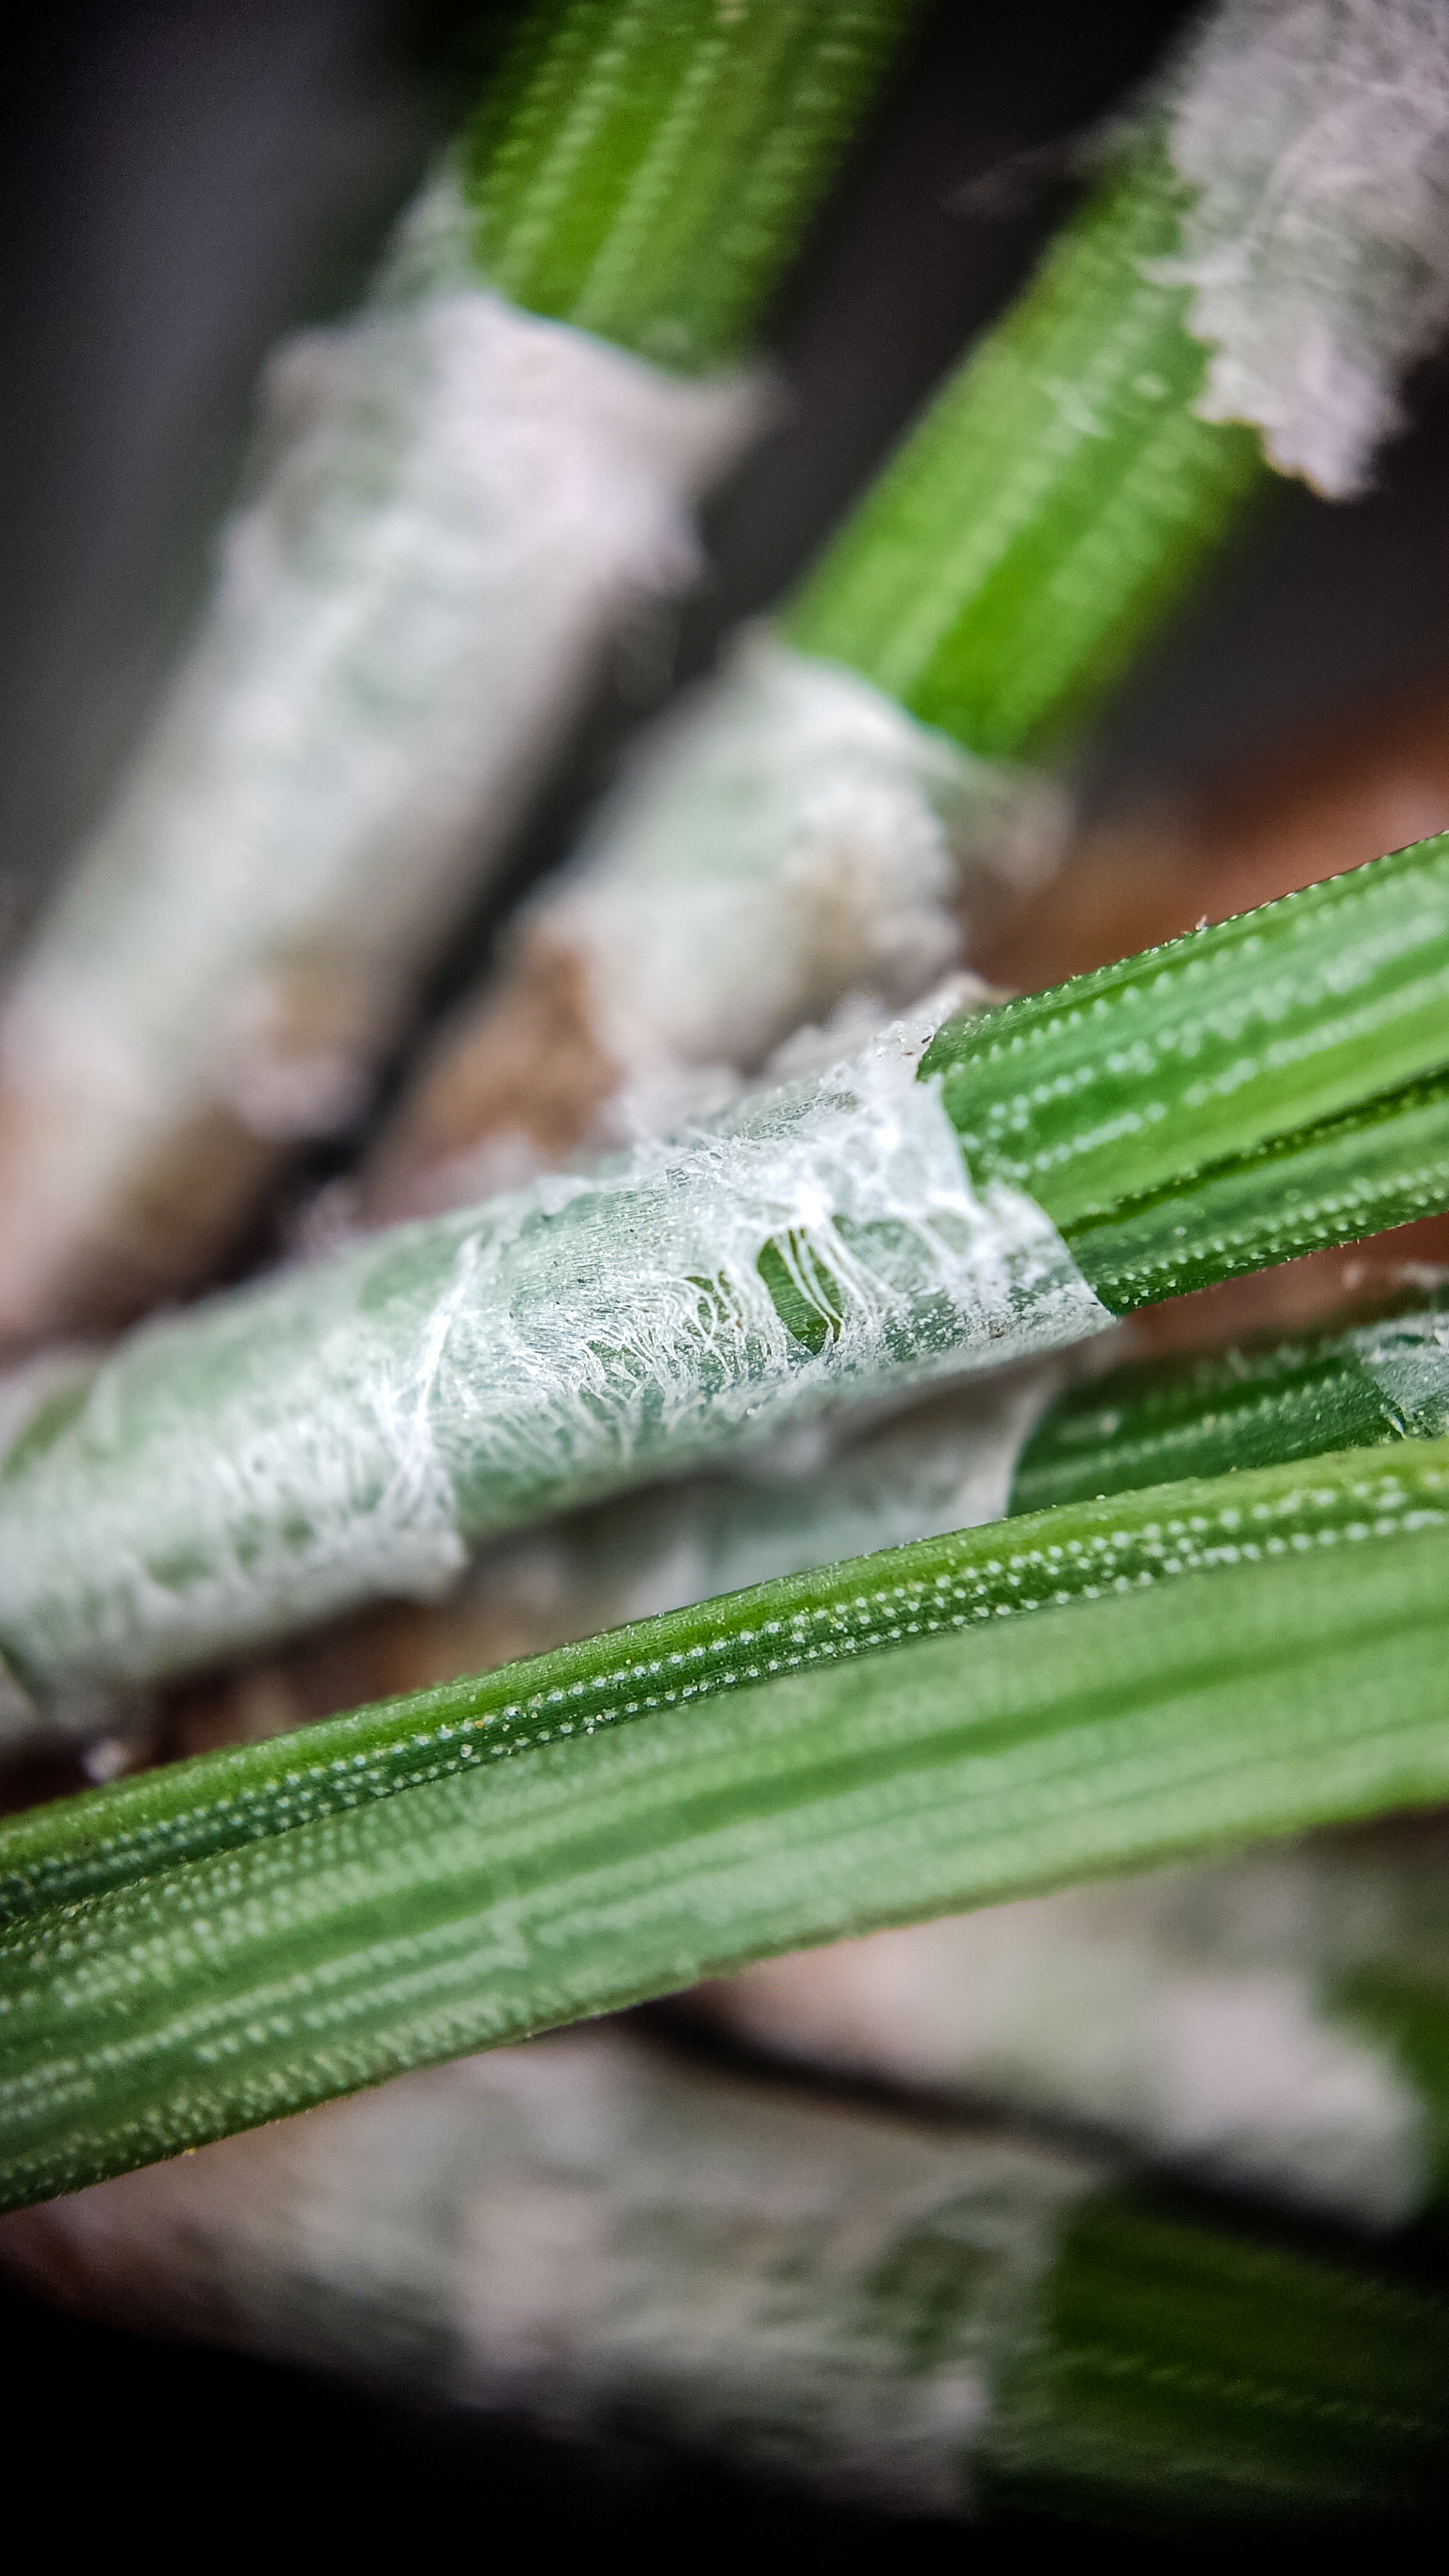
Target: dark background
{"x":181,"y":181}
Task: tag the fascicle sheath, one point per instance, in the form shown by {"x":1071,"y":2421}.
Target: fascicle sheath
{"x":1314,"y":137}
{"x":461,"y":500}
{"x":347,"y":1431}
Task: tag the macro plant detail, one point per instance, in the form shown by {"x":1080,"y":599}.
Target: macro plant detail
{"x":762,"y":1693}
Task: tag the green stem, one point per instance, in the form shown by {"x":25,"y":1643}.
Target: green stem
{"x":1349,"y":1177}
{"x":645,"y":171}
{"x":938,"y":1727}
{"x":1057,"y":496}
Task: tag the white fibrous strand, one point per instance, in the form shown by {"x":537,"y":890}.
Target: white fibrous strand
{"x":1314,"y":135}
{"x":346,"y":1431}
{"x":787,"y":839}
{"x":457,"y":505}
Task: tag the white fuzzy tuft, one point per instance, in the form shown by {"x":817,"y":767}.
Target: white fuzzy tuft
{"x":457,"y":507}
{"x":788,"y":836}
{"x":1316,"y":134}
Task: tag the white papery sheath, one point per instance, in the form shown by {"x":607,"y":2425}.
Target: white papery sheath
{"x":787,"y":835}
{"x":785,"y":843}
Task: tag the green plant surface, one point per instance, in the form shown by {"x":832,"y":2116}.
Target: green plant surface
{"x":347,"y":1430}
{"x":1148,"y":1422}
{"x":1186,"y":2374}
{"x":644,"y":168}
{"x":1233,"y":1098}
{"x":1055,"y":500}
{"x":940,"y":1726}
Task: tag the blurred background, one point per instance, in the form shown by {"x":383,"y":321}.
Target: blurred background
{"x":181,"y":184}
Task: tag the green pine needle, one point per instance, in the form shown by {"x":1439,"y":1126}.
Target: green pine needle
{"x":939,"y":1726}
{"x":1234,"y":1098}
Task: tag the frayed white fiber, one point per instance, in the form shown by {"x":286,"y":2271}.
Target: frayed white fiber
{"x":459,"y":503}
{"x":346,"y":1431}
{"x":831,"y":1489}
{"x":1315,"y":134}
